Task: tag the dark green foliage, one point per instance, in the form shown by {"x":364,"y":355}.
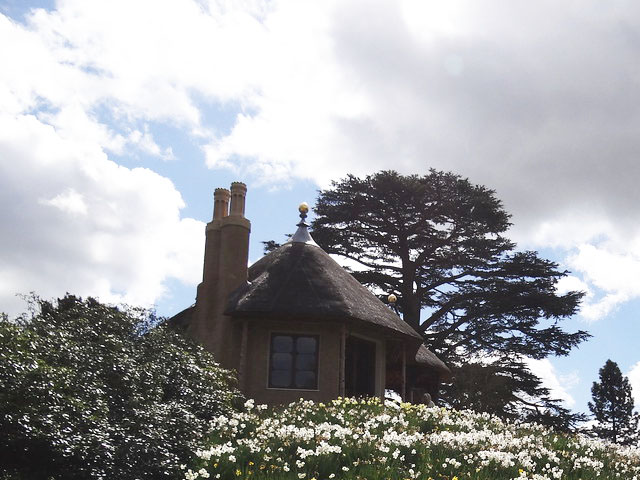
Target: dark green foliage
{"x":612,"y":406}
{"x":270,"y":245}
{"x":438,"y":242}
{"x":92,"y":391}
{"x":497,"y":388}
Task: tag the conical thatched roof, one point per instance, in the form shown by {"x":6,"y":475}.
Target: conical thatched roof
{"x":300,"y":280}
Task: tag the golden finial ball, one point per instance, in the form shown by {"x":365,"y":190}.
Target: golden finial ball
{"x":392,"y":298}
{"x":303,"y":208}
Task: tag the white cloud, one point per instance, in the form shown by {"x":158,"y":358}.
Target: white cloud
{"x":571,"y":283}
{"x":634,"y":380}
{"x":527,"y":106}
{"x":613,"y":270}
{"x":559,"y":385}
{"x":149,"y":56}
{"x":506,"y":94}
{"x":69,"y":201}
{"x":78,"y":222}
{"x":146,"y":143}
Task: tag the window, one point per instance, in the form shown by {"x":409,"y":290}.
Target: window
{"x":293,"y":362}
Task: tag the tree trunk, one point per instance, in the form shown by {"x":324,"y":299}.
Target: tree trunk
{"x":410,"y":300}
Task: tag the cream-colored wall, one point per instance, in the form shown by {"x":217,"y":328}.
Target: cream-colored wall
{"x":257,"y":366}
{"x":257,"y":360}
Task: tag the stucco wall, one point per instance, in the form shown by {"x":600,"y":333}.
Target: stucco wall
{"x":329,"y":333}
{"x":257,"y":365}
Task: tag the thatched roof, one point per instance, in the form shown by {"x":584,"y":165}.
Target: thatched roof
{"x":300,"y":280}
{"x":427,"y":359}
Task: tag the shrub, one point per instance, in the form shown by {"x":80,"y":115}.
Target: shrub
{"x":94,"y":391}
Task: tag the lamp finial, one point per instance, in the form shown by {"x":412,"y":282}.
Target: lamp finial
{"x":303,"y":208}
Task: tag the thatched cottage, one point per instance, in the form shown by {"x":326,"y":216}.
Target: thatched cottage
{"x":295,"y":323}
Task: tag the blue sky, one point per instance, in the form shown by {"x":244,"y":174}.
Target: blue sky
{"x":118,"y":119}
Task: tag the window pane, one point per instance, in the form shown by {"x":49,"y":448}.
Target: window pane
{"x":305,"y":379}
{"x":306,"y":345}
{"x":282,"y":344}
{"x":281,"y":378}
{"x":306,"y":362}
{"x":293,"y":362}
{"x":281,"y":361}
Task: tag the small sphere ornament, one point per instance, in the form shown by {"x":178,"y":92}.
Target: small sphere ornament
{"x":392,"y":298}
{"x":303,"y":208}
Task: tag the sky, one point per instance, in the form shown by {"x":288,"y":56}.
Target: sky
{"x":118,"y":119}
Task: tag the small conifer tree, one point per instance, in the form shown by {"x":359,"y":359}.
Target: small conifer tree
{"x":612,"y":406}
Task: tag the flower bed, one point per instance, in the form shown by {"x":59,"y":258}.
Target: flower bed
{"x":369,"y":439}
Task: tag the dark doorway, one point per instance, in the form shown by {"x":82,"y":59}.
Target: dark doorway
{"x":360,"y":368}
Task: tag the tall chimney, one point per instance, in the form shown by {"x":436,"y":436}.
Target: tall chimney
{"x":234,"y":259}
{"x":225,"y":269}
{"x":211,"y":266}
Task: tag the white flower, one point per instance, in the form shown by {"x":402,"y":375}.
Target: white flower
{"x":190,"y":475}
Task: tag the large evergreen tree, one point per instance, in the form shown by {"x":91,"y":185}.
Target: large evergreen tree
{"x":438,"y":242}
{"x":612,"y":406}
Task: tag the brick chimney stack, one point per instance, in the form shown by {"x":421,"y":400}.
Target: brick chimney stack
{"x":226,"y":260}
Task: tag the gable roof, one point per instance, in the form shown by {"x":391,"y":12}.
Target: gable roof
{"x":301,"y":280}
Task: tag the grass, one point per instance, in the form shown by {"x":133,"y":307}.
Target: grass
{"x":372,"y":440}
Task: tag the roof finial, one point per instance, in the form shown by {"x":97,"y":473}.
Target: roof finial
{"x":392,"y":299}
{"x":302,"y":234}
{"x":303,"y":208}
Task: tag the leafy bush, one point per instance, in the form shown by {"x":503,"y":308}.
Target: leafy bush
{"x":94,"y":391}
{"x":368,"y":439}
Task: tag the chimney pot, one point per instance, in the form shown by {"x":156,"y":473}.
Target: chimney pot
{"x":238,"y":195}
{"x":221,"y":198}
